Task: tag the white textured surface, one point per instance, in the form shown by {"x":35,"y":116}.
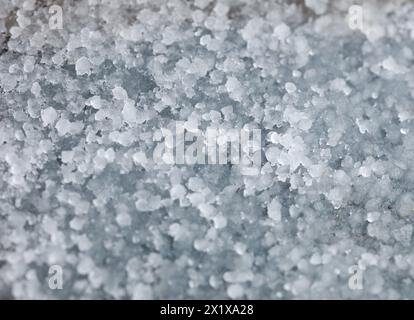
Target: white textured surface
{"x":80,"y":107}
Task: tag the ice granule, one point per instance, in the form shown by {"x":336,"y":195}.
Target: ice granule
{"x":49,"y":116}
{"x":274,"y":210}
{"x":290,"y":87}
{"x":235,"y":291}
{"x":83,"y":66}
{"x":82,"y":110}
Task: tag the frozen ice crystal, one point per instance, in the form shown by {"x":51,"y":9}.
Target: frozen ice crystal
{"x":83,"y":66}
{"x":290,"y":87}
{"x":235,"y":291}
{"x":49,"y":116}
{"x":274,"y":210}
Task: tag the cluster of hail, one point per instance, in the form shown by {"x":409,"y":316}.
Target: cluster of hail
{"x":82,"y":107}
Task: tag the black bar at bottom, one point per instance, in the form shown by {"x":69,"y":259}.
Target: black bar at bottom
{"x":206,"y":309}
